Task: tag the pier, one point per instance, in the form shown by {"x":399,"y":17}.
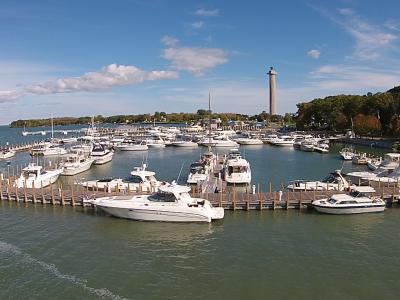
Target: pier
{"x":76,"y":195}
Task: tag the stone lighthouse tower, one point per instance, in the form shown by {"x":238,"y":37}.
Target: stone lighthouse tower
{"x":272,"y":91}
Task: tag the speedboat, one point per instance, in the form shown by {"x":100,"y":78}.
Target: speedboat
{"x":307,"y":146}
{"x":322,"y":147}
{"x":47,"y":149}
{"x":76,"y":163}
{"x":155,"y":142}
{"x":34,"y":176}
{"x":283,"y":141}
{"x":188,"y":144}
{"x":360,"y":159}
{"x":269,"y":139}
{"x":139,"y":180}
{"x":237,"y":169}
{"x":225,"y":142}
{"x":249,"y":140}
{"x":101,"y":154}
{"x":198,"y":172}
{"x":347,"y":153}
{"x":6,"y":153}
{"x":171,"y":203}
{"x":138,"y":146}
{"x":333,"y":182}
{"x":390,"y":180}
{"x":358,"y":200}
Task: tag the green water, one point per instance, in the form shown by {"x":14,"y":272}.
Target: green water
{"x":65,"y":253}
{"x":68,"y":253}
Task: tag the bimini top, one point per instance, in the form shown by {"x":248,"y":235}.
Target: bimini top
{"x":141,"y":171}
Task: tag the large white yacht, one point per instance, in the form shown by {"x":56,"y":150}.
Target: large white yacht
{"x":248,"y":140}
{"x":225,"y":143}
{"x":171,"y":203}
{"x":237,"y":169}
{"x":347,"y":153}
{"x":101,"y":154}
{"x":76,"y":163}
{"x":34,"y":176}
{"x":333,"y":182}
{"x":139,"y":180}
{"x":359,"y":200}
{"x":156,"y":141}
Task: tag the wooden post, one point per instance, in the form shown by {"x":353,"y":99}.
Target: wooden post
{"x":25,"y":196}
{"x":16,"y":193}
{"x":72,"y":195}
{"x":1,"y":190}
{"x":301,"y":199}
{"x":247,"y":201}
{"x":220,"y":199}
{"x":60,"y":190}
{"x":8,"y":190}
{"x":287,"y":200}
{"x":52,"y":194}
{"x":42,"y":191}
{"x":33,"y":193}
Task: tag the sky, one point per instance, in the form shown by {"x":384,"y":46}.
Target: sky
{"x":90,"y":57}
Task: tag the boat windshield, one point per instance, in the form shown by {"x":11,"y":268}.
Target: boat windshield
{"x":355,"y":194}
{"x":162,"y":197}
{"x":332,"y":201}
{"x":237,"y":169}
{"x":133,"y":179}
{"x":150,"y":178}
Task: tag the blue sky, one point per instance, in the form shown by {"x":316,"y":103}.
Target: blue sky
{"x":76,"y":58}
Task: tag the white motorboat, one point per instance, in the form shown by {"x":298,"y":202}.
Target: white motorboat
{"x":307,"y":146}
{"x":283,"y":141}
{"x":322,"y":148}
{"x":138,"y":146}
{"x":333,"y":182}
{"x":248,"y":140}
{"x":139,"y":180}
{"x":347,"y":153}
{"x":6,"y":153}
{"x":237,"y":169}
{"x":101,"y":154}
{"x":48,"y":149}
{"x":76,"y":163}
{"x":187,"y":144}
{"x":198,"y":172}
{"x":269,"y":139}
{"x":171,"y":203}
{"x":34,"y":176}
{"x":83,"y":148}
{"x":225,"y":143}
{"x":155,"y":142}
{"x":359,"y":200}
{"x":391,"y":180}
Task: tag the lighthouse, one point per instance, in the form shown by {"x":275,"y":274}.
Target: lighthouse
{"x":272,"y":91}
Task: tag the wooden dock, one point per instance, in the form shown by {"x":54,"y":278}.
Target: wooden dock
{"x":75,"y":195}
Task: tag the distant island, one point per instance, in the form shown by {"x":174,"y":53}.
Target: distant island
{"x":161,"y":117}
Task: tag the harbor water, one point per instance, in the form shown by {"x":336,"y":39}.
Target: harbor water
{"x":51,"y":252}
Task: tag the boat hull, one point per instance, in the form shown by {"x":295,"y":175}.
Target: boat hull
{"x":349,"y":210}
{"x":157,"y":215}
{"x":73,"y":171}
{"x":100,"y":160}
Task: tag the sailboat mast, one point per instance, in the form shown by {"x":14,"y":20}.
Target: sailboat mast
{"x":209,"y":122}
{"x":52,"y":129}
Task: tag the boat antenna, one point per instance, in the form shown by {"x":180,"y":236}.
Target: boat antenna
{"x":179,"y":175}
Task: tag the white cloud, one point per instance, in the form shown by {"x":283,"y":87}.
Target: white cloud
{"x":195,"y":60}
{"x":6,"y":96}
{"x":197,"y":25}
{"x":371,"y":40}
{"x":314,"y":53}
{"x":207,"y":12}
{"x":169,"y":40}
{"x":110,"y":76}
{"x":393,"y":24}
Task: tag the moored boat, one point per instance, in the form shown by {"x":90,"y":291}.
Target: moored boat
{"x":171,"y":203}
{"x":358,"y":200}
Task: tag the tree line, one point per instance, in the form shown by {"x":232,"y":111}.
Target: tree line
{"x":370,"y":114}
{"x":197,"y":117}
